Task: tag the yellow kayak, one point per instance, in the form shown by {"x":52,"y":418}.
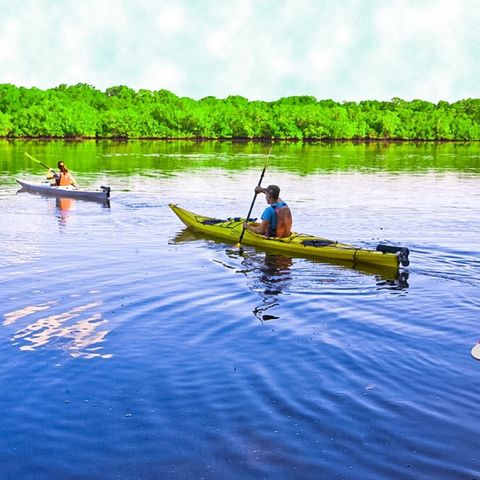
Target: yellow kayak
{"x":296,"y":244}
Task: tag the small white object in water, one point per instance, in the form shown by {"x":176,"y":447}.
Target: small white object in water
{"x":476,"y":351}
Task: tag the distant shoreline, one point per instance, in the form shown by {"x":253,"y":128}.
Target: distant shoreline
{"x":240,"y":140}
{"x":82,"y":112}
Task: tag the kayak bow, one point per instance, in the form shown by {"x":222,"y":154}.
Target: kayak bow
{"x":296,"y":244}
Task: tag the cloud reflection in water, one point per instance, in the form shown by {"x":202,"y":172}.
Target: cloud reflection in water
{"x":77,"y":331}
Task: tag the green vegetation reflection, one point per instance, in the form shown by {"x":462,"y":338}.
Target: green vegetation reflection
{"x":160,"y":158}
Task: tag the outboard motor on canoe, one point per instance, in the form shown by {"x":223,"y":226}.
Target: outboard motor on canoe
{"x":403,"y":252}
{"x":106,"y":190}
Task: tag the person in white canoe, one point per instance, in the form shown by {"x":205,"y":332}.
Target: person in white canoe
{"x":62,"y":179}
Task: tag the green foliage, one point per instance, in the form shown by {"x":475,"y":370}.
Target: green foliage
{"x":82,"y":111}
{"x":5,"y":125}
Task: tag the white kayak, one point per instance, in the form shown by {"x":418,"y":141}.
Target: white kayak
{"x":101,"y":195}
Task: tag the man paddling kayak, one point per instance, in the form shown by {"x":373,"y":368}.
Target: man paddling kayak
{"x":276,"y":218}
{"x":62,"y":179}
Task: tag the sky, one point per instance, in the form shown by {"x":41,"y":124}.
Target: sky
{"x":346,"y":50}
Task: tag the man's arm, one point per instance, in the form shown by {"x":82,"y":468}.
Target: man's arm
{"x":261,"y":228}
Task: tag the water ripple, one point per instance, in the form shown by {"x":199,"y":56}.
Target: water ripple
{"x":133,"y":348}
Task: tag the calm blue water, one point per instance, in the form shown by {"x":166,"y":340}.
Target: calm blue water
{"x":133,"y":349}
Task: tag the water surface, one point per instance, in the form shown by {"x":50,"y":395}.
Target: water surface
{"x":133,"y":348}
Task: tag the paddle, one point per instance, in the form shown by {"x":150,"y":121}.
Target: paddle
{"x":47,"y":167}
{"x":38,"y":161}
{"x":254,"y":197}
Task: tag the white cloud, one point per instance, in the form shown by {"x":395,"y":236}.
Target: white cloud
{"x":349,"y":50}
{"x":163,"y":75}
{"x":170,"y":19}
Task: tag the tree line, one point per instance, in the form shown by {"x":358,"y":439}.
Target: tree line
{"x":82,"y":111}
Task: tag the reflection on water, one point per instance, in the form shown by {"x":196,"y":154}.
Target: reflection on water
{"x":64,"y":204}
{"x":166,"y":159}
{"x":63,"y":207}
{"x":75,"y":331}
{"x":270,"y":275}
{"x":400,"y":282}
{"x":12,"y":317}
{"x":235,"y":364}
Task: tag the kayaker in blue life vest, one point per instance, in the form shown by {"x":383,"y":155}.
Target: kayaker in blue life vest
{"x":276,"y":218}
